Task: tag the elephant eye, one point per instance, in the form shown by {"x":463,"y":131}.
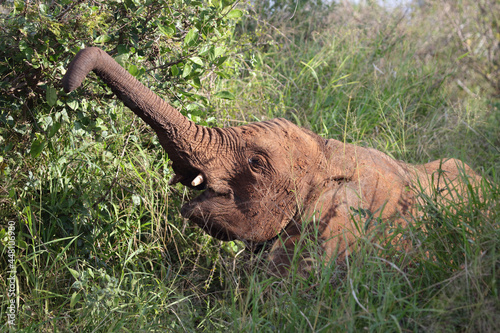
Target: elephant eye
{"x":255,"y":162}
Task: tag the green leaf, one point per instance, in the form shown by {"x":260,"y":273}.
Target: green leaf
{"x":54,"y":128}
{"x":175,"y":70}
{"x":225,"y":95}
{"x":206,"y":49}
{"x":26,"y":50}
{"x":187,"y":70}
{"x":37,"y":147}
{"x":168,"y":31}
{"x":196,"y":82}
{"x":191,"y":37}
{"x":235,"y":13}
{"x":43,"y":8}
{"x":122,"y":59}
{"x":75,"y":273}
{"x":122,"y":49}
{"x":19,"y":5}
{"x":220,"y":61}
{"x":74,"y":299}
{"x":22,"y":244}
{"x":73,"y":105}
{"x":102,"y":39}
{"x":223,"y":75}
{"x":51,"y":96}
{"x":218,"y":51}
{"x":197,"y":60}
{"x":133,"y":70}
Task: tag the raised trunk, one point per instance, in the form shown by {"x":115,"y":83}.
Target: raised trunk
{"x":182,"y":139}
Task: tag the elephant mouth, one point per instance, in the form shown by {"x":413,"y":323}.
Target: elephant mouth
{"x":205,"y":211}
{"x":212,"y":194}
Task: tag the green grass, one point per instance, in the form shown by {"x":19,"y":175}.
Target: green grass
{"x":102,"y":246}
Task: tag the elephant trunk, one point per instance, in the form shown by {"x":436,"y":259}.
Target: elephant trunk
{"x":183,"y":140}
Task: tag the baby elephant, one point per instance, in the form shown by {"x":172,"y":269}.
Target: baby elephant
{"x":274,"y":182}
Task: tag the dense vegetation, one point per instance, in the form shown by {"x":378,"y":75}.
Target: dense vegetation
{"x":99,"y":241}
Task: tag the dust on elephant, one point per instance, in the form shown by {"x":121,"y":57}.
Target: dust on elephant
{"x":266,"y":181}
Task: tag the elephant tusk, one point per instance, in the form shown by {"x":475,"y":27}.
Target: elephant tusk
{"x":197,"y":181}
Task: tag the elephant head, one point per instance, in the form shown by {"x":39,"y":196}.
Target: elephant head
{"x":266,"y":179}
{"x":251,"y":175}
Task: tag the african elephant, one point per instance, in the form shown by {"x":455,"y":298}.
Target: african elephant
{"x":265,"y":182}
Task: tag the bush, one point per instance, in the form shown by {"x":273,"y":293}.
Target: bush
{"x":77,"y":169}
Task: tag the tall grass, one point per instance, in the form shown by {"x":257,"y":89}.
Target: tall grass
{"x":105,"y":249}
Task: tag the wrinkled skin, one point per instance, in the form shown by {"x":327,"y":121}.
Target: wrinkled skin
{"x":267,"y":181}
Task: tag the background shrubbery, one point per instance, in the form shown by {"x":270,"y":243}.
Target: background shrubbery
{"x":101,"y":245}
